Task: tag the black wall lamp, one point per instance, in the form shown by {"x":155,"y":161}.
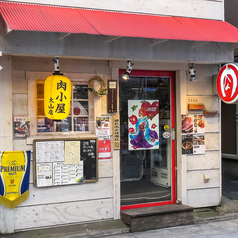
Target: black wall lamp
{"x":125,"y":76}
{"x":192,"y":73}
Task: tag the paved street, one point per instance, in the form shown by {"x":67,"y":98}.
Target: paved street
{"x":215,"y":229}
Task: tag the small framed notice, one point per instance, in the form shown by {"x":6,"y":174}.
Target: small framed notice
{"x":116,"y":132}
{"x":112,"y":96}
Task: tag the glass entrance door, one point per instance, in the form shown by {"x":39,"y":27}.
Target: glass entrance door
{"x":147,"y":144}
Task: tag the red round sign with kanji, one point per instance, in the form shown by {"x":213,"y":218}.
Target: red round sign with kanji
{"x":227,"y":86}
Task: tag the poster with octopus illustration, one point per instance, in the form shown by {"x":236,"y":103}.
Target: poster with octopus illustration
{"x":143,"y":124}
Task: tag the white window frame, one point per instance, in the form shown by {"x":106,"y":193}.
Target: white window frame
{"x":76,"y":78}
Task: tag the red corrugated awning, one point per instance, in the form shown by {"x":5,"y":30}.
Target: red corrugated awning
{"x":32,"y":17}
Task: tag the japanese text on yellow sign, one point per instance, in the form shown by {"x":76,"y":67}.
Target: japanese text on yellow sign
{"x":57,"y":96}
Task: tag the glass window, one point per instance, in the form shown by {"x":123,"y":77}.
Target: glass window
{"x":145,"y":169}
{"x":78,"y":116}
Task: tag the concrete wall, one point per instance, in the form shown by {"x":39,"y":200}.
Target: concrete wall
{"x":210,"y":9}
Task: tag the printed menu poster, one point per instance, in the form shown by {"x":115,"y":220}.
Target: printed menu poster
{"x":187,"y":123}
{"x":198,"y":144}
{"x":193,"y":124}
{"x":72,"y":152}
{"x":44,"y":174}
{"x":199,"y":124}
{"x":193,"y":144}
{"x":193,"y":134}
{"x":102,"y":127}
{"x":67,"y":174}
{"x":49,"y":151}
{"x":187,"y":144}
{"x":143,"y":124}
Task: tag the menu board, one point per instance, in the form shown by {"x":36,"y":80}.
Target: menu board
{"x":64,"y":162}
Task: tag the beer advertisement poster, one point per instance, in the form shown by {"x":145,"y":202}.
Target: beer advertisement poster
{"x":14,"y":177}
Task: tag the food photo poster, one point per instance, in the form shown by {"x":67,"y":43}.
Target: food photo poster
{"x":193,"y":134}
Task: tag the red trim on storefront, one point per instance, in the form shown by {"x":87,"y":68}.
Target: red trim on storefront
{"x":173,"y":141}
{"x":170,"y":74}
{"x":146,"y":205}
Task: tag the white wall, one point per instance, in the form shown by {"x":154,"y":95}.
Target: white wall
{"x":63,"y":204}
{"x":211,"y":9}
{"x":6,"y":214}
{"x":195,"y":192}
{"x":101,"y":200}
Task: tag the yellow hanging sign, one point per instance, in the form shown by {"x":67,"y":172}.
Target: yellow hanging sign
{"x":14,"y":177}
{"x":57,"y":96}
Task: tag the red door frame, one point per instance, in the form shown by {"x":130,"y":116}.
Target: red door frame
{"x":170,"y":74}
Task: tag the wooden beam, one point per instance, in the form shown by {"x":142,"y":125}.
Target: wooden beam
{"x":158,"y":41}
{"x":199,"y":43}
{"x":112,"y":38}
{"x":64,"y":36}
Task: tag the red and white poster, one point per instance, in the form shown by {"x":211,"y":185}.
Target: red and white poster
{"x":227,"y":87}
{"x":102,"y":127}
{"x":143,"y":124}
{"x":104,"y":149}
{"x":187,"y":123}
{"x":193,"y":124}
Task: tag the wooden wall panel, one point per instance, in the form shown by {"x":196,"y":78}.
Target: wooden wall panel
{"x":203,"y":85}
{"x":60,"y":205}
{"x":71,"y":193}
{"x":6,"y":131}
{"x":74,"y":66}
{"x":104,"y":98}
{"x":181,"y":159}
{"x":195,"y":179}
{"x":20,"y":104}
{"x":105,"y":168}
{"x":212,"y":141}
{"x":19,"y":82}
{"x":212,"y":123}
{"x":7,"y":223}
{"x":210,"y":160}
{"x":200,"y":194}
{"x":203,"y":197}
{"x":62,"y":213}
{"x":210,"y":102}
{"x":21,"y":144}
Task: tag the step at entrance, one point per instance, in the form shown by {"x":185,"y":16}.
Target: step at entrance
{"x":149,"y":218}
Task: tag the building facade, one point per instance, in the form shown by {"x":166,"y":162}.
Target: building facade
{"x":170,"y":150}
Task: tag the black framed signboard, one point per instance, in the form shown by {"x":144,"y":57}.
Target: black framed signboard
{"x":65,"y":161}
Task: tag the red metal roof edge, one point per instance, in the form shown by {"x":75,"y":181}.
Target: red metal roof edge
{"x":88,"y":25}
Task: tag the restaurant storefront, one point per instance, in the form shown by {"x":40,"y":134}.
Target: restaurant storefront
{"x":166,"y":115}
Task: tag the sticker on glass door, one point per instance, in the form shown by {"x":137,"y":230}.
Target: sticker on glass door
{"x":143,"y":124}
